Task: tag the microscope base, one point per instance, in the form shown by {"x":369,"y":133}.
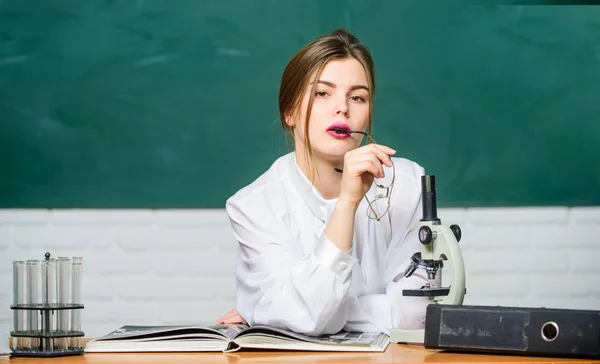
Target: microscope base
{"x":408,"y":336}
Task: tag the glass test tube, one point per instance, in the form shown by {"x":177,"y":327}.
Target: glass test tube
{"x":76,"y":272}
{"x":18,"y":299}
{"x":62,"y":293}
{"x":33,"y":277}
{"x":48,"y":298}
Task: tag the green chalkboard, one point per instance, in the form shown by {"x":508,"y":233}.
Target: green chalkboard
{"x":171,"y":104}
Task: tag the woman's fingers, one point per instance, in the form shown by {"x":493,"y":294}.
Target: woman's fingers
{"x":371,"y":165}
{"x":385,"y":148}
{"x":370,"y":168}
{"x":361,"y":163}
{"x":228,"y":315}
{"x":236,"y":319}
{"x":380,"y":151}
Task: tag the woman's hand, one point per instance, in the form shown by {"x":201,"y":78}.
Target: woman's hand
{"x":231,"y":317}
{"x":361,"y":166}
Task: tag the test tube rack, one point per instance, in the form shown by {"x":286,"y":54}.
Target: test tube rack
{"x":35,"y":334}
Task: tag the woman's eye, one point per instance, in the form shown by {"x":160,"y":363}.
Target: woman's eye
{"x":357,"y":98}
{"x":321,"y":93}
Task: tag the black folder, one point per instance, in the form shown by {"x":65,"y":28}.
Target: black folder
{"x":513,"y":330}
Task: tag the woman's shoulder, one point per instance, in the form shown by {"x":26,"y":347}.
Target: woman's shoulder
{"x":267,"y":186}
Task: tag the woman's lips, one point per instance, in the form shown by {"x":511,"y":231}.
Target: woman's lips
{"x":338,"y":135}
{"x":339,"y":131}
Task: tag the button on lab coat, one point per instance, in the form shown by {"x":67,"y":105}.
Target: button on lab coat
{"x":290,"y":275}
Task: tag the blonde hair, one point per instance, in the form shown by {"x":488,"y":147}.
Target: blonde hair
{"x":310,"y":61}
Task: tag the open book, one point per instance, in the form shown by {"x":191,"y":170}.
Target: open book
{"x":229,"y":338}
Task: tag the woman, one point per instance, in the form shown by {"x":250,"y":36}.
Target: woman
{"x":317,"y":253}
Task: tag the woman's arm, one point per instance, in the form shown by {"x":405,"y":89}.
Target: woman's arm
{"x":361,"y":165}
{"x":279,"y":286}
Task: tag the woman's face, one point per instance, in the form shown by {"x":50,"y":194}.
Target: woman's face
{"x":341,"y":100}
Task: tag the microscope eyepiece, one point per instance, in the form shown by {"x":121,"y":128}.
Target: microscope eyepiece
{"x":428,"y":198}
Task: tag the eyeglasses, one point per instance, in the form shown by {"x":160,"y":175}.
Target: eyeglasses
{"x":380,"y":205}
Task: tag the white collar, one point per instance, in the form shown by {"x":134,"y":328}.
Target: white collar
{"x":309,"y":193}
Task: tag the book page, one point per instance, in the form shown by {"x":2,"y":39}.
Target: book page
{"x":341,"y":338}
{"x":232,"y":330}
{"x":148,"y":333}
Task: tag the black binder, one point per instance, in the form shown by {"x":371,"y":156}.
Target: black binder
{"x":513,"y":330}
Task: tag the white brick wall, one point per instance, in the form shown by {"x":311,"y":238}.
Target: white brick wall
{"x":176,"y":266}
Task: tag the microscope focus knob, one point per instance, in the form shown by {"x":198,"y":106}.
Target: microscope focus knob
{"x":425,"y":235}
{"x":456,"y":230}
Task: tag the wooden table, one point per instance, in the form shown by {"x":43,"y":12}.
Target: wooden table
{"x":396,"y":353}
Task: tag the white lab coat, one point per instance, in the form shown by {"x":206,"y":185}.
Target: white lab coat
{"x":289,"y":275}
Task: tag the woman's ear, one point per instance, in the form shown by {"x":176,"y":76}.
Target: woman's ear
{"x":289,"y":121}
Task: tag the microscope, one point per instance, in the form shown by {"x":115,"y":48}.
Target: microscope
{"x":439,"y":245}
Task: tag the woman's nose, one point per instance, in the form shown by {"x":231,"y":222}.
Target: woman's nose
{"x":341,"y":107}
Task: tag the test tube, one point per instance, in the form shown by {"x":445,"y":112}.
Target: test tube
{"x":62,"y":293}
{"x":18,"y":299}
{"x":76,"y":272}
{"x":48,"y":298}
{"x":33,"y":277}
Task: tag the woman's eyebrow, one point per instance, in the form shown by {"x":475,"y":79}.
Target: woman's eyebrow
{"x":333,"y":85}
